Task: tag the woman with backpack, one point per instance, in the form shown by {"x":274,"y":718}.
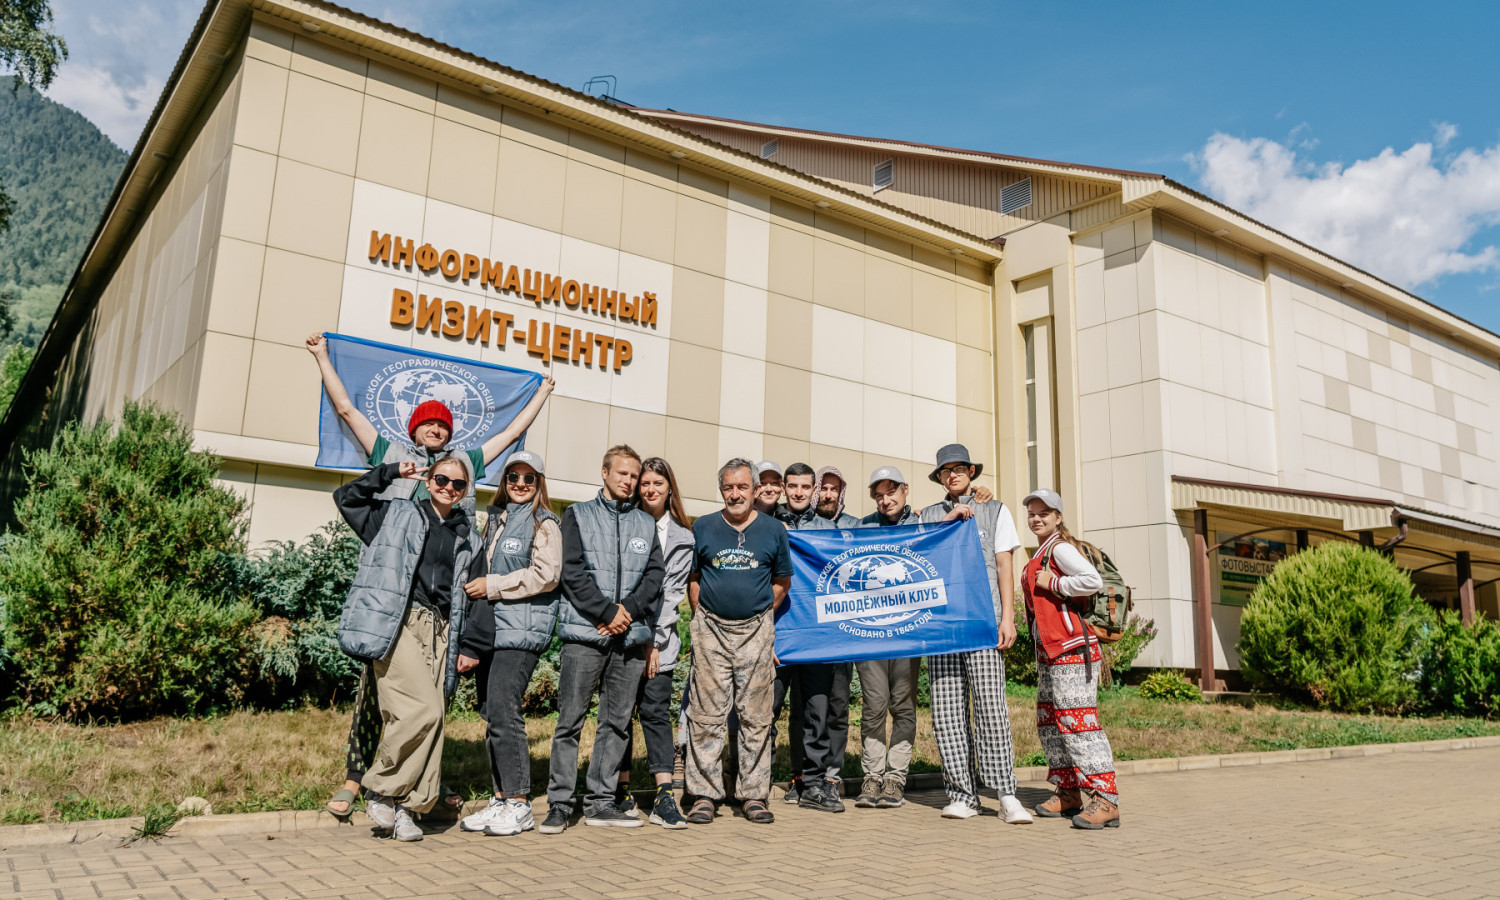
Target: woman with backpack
{"x":404,"y":614}
{"x":1068,"y":660}
{"x":510,"y":628}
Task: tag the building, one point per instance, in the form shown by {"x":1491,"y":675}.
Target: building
{"x":704,"y":288}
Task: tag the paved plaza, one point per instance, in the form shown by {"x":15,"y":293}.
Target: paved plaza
{"x":1398,"y":825}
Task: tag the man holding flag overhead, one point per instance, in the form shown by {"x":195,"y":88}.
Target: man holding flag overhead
{"x":393,"y":381}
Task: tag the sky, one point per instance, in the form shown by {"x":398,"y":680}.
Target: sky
{"x":1370,"y":130}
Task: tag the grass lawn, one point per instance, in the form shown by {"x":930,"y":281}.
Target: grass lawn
{"x":248,"y":762}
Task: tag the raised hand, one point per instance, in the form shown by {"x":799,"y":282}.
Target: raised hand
{"x":409,"y":469}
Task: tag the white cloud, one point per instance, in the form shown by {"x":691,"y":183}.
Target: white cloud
{"x":1406,"y":216}
{"x":120,"y":110}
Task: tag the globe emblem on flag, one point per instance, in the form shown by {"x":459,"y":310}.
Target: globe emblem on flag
{"x":401,"y":387}
{"x":873,"y":572}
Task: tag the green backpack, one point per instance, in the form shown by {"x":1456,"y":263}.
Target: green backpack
{"x":1106,"y":611}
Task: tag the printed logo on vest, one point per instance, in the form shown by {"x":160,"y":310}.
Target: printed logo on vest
{"x":638,"y":545}
{"x":879,"y":591}
{"x":510,"y":545}
{"x":398,"y":389}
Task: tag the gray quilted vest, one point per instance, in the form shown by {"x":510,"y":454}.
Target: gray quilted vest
{"x":377,"y":601}
{"x":520,"y":624}
{"x":404,"y":488}
{"x":616,"y":549}
{"x":986,"y":516}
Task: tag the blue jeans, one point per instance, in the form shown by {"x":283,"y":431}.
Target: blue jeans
{"x":616,"y":673}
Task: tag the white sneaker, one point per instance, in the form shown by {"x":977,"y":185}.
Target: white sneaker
{"x":494,"y":814}
{"x":380,"y":810}
{"x":1013,"y":811}
{"x":521,"y":816}
{"x":405,"y":829}
{"x":957,"y":810}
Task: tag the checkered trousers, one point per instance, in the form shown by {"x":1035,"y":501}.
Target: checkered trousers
{"x":983,"y":749}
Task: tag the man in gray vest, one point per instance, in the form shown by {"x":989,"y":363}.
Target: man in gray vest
{"x":887,"y":685}
{"x":961,"y":680}
{"x":809,"y":684}
{"x":611,"y":576}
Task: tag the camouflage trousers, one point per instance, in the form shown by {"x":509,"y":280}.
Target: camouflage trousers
{"x":733,"y":667}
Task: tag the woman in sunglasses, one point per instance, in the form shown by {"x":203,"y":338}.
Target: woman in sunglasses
{"x":514,"y":614}
{"x":404,"y":614}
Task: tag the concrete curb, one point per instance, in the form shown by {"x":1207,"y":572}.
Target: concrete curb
{"x":271,"y":824}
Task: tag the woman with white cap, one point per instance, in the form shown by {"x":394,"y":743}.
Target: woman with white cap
{"x":1068,"y":659}
{"x":507,"y":635}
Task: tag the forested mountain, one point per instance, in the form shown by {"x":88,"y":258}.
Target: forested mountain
{"x":59,"y":171}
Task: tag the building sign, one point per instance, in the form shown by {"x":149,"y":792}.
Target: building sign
{"x":474,"y":323}
{"x":1243,"y":563}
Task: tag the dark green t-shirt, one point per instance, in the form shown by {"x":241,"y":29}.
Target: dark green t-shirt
{"x":383,"y":445}
{"x":735,"y":570}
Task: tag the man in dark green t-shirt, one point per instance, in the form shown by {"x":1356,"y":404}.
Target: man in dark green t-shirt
{"x":742,"y":570}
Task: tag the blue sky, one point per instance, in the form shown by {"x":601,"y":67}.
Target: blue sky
{"x":1370,"y":130}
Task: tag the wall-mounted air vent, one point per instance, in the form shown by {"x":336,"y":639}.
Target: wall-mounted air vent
{"x":768,"y":149}
{"x":1015,"y":196}
{"x":885,"y":174}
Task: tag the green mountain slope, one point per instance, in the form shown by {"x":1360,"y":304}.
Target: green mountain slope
{"x":59,"y":171}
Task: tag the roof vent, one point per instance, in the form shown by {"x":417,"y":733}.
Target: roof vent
{"x":885,"y":174}
{"x":768,"y":149}
{"x":1015,"y":196}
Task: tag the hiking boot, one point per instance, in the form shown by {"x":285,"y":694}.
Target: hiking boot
{"x":793,"y":791}
{"x":380,"y":810}
{"x":1100,"y":813}
{"x":869,"y":793}
{"x":819,"y":795}
{"x":1012,"y":811}
{"x":403,"y":827}
{"x":612,"y":816}
{"x":664,"y":812}
{"x":556,"y":821}
{"x":497,"y":814}
{"x":679,"y":768}
{"x":1066,"y":802}
{"x":892,"y":794}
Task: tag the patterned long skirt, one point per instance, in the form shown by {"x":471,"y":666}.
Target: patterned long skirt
{"x":1067,"y":721}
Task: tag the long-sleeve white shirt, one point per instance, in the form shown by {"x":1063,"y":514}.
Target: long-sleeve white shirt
{"x":1079,"y":578}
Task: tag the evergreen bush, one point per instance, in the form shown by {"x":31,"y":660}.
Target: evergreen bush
{"x":1020,"y":657}
{"x":1337,"y":625}
{"x":109,"y":579}
{"x":1170,"y":685}
{"x":1461,"y":667}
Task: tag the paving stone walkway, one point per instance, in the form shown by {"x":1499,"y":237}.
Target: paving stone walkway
{"x":1400,"y":825}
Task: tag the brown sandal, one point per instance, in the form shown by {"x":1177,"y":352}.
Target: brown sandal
{"x":755,"y":811}
{"x":702,"y":812}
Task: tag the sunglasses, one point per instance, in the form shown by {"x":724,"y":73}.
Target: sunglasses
{"x":458,"y":484}
{"x":518,"y":478}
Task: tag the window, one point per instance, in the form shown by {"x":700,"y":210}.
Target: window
{"x":1029,"y":333}
{"x":885,"y":174}
{"x":1041,"y":411}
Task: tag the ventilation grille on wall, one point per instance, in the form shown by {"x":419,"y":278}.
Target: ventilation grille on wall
{"x":1015,"y":196}
{"x":768,"y":149}
{"x":885,"y":174}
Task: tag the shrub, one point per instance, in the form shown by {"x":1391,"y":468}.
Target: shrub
{"x":540,"y":698}
{"x":1121,"y":655}
{"x":1170,"y":684}
{"x":109,"y":606}
{"x":299,"y":589}
{"x":1020,"y":657}
{"x":1461,"y":667}
{"x":1337,"y":625}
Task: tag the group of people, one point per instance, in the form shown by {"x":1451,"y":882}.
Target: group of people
{"x":436,"y":597}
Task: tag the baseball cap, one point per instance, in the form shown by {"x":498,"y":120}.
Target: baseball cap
{"x":765,"y":466}
{"x":526,"y":456}
{"x":1047,"y":496}
{"x":887,"y":473}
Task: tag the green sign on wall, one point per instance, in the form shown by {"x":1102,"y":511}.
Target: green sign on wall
{"x":1242,"y":565}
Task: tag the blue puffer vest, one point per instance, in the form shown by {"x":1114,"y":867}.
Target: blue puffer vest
{"x":616,"y":549}
{"x":523,"y":623}
{"x":377,"y":601}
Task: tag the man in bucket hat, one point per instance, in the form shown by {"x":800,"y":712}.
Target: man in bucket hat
{"x":982,"y":748}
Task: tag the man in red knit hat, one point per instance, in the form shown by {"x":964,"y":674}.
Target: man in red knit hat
{"x":430,"y":428}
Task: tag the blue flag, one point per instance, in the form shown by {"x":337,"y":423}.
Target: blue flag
{"x":387,"y":383}
{"x":886,"y":593}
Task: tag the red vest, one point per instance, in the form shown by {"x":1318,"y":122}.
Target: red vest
{"x":1056,"y":626}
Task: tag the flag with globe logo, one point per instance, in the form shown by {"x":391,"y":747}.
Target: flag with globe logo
{"x":886,"y":593}
{"x":388,"y":382}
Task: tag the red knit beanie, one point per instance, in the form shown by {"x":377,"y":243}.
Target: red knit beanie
{"x":429,"y":411}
